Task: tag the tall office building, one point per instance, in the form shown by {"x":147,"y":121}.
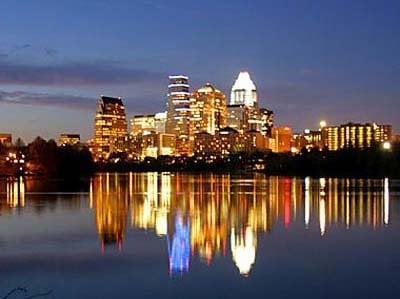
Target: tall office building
{"x":244,"y":91}
{"x":178,"y":114}
{"x":207,"y":110}
{"x":110,"y":129}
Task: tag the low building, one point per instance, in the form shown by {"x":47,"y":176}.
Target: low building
{"x":154,"y":145}
{"x":308,"y":139}
{"x":5,"y":138}
{"x":143,"y":124}
{"x":282,"y":137}
{"x":69,"y":139}
{"x":355,"y":135}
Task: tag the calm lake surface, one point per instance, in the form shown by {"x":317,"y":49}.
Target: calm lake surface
{"x":168,"y":235}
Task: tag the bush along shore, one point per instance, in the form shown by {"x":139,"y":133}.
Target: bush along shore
{"x":372,"y":162}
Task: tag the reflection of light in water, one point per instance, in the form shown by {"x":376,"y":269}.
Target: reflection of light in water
{"x":307,"y":202}
{"x":16,"y":193}
{"x":161,"y":223}
{"x":322,"y":183}
{"x":91,"y":194}
{"x":243,"y":250}
{"x":322,"y":215}
{"x":386,"y":201}
{"x":162,"y":211}
{"x":179,"y":252}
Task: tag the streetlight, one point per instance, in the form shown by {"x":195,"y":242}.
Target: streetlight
{"x":387,"y":146}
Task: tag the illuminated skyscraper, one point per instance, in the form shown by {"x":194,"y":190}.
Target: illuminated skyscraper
{"x":178,"y":114}
{"x":208,"y":110}
{"x":244,"y":91}
{"x":110,"y":130}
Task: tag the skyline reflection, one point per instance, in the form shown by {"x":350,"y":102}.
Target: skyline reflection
{"x":208,"y":215}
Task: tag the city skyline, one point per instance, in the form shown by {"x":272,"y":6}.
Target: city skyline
{"x":308,"y":57}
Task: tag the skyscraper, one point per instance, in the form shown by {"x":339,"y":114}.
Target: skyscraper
{"x":244,"y":91}
{"x":110,"y":129}
{"x":178,"y":114}
{"x":208,"y":110}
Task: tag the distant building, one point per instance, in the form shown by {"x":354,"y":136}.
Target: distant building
{"x":155,"y":145}
{"x":282,"y":139}
{"x":244,"y":91}
{"x":178,"y":114}
{"x":238,"y":117}
{"x":230,"y":141}
{"x":110,"y":131}
{"x":143,"y":124}
{"x":308,"y":139}
{"x":207,"y":110}
{"x":243,"y":111}
{"x":355,"y":135}
{"x":69,"y":139}
{"x":254,"y":141}
{"x":5,"y":138}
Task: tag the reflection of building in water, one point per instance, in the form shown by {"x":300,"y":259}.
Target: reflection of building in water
{"x":150,"y":202}
{"x":179,"y":249}
{"x":110,"y":203}
{"x":230,"y":210}
{"x":12,"y":194}
{"x":346,"y":201}
{"x":16,"y":193}
{"x":243,"y":248}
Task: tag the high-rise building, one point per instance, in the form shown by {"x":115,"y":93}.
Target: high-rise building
{"x":110,"y":130}
{"x":207,"y":110}
{"x":142,"y":124}
{"x":178,"y":114}
{"x":355,"y":135}
{"x":69,"y":139}
{"x":244,"y":91}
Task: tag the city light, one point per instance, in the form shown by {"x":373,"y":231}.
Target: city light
{"x":387,"y":145}
{"x":322,"y":124}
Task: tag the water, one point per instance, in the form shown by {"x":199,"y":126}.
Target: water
{"x":201,"y":236}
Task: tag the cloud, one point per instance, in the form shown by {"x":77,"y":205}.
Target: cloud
{"x":74,"y":74}
{"x":39,"y":99}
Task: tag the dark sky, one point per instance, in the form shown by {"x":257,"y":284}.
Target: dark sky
{"x":337,"y":60}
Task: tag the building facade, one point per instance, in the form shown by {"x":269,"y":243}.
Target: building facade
{"x":178,"y":112}
{"x":5,"y":138}
{"x":143,"y":124}
{"x":281,"y":139}
{"x":69,"y":139}
{"x":208,"y":110}
{"x":355,"y":135}
{"x":110,"y":130}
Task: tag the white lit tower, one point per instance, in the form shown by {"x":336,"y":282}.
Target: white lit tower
{"x":244,"y":91}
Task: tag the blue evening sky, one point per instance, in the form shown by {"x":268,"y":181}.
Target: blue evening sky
{"x":337,"y":60}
